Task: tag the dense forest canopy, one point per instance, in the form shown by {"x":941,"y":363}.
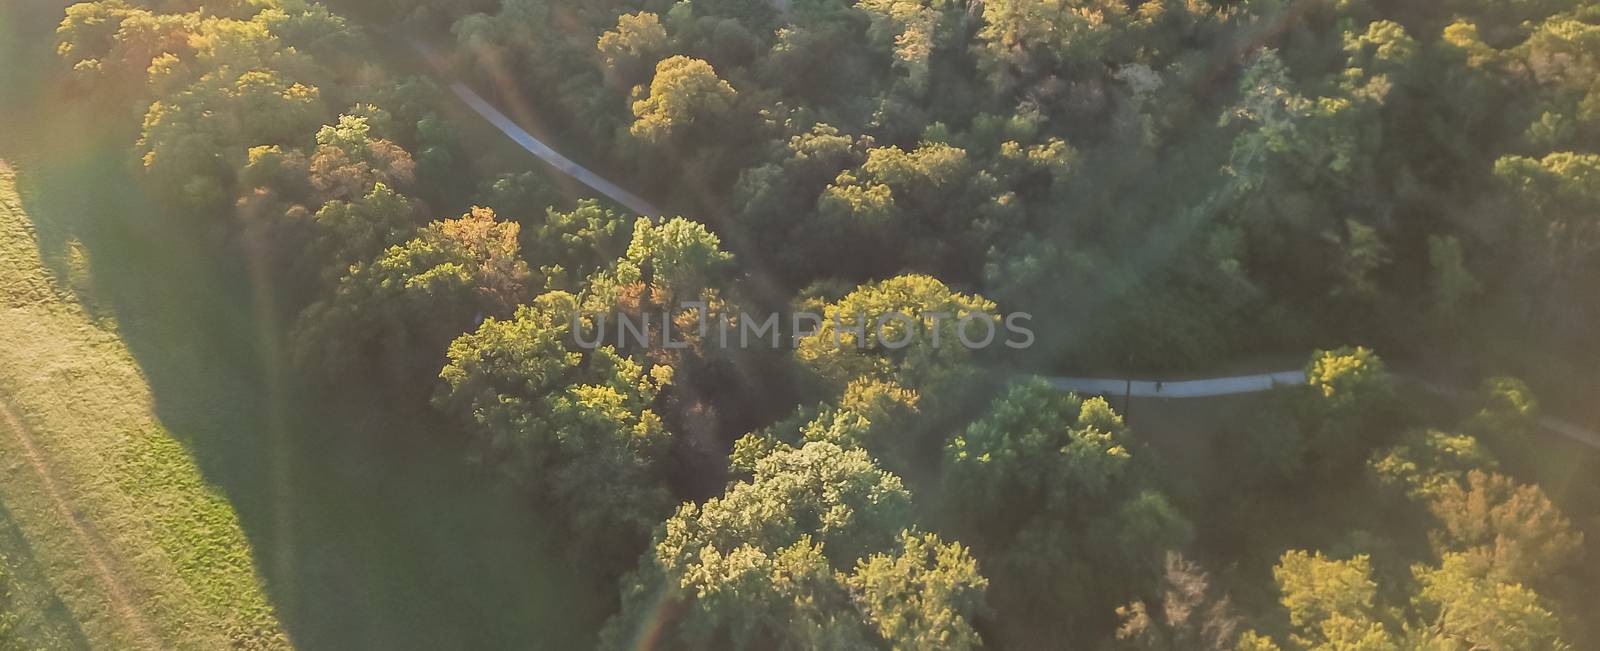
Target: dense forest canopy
{"x":1163,"y":185}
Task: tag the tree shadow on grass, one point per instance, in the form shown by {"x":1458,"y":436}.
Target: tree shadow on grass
{"x":45,"y":622}
{"x":367,"y":528}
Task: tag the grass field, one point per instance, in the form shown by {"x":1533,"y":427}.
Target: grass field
{"x":111,"y":536}
{"x":139,"y":548}
{"x":234,"y":504}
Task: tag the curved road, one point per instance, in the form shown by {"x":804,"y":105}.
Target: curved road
{"x":431,"y":59}
{"x":1204,"y":388}
{"x":544,"y":152}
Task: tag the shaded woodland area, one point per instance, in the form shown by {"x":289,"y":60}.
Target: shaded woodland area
{"x":1165,"y":185}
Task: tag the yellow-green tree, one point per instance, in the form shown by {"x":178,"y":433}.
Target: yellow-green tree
{"x":572,"y":426}
{"x":1045,"y":487}
{"x":816,"y":550}
{"x":686,"y":103}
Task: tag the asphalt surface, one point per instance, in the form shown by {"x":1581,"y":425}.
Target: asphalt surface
{"x":538,"y":148}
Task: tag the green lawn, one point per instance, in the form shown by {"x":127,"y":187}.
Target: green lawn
{"x":136,"y":544}
{"x":111,"y":537}
{"x":150,"y":364}
{"x":35,"y":617}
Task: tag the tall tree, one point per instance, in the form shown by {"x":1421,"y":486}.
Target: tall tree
{"x":686,"y":105}
{"x":572,"y":425}
{"x":1332,"y":604}
{"x":911,"y":330}
{"x":349,"y":160}
{"x":391,"y":318}
{"x":928,"y":195}
{"x":1350,"y":410}
{"x":1462,"y":609}
{"x":768,"y":196}
{"x":629,"y":50}
{"x":1510,"y":532}
{"x":816,"y":550}
{"x":569,"y":246}
{"x":357,"y":231}
{"x":195,"y":141}
{"x":1045,"y":487}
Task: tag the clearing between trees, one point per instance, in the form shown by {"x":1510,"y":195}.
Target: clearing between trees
{"x":91,"y":476}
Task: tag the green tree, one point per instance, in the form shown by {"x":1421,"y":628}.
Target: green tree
{"x":349,"y":160}
{"x":391,"y":318}
{"x":1462,"y":609}
{"x":768,"y":196}
{"x":727,"y":33}
{"x":518,"y":195}
{"x":877,"y":416}
{"x":678,"y":260}
{"x":1363,"y":253}
{"x":1563,"y":58}
{"x":272,"y":219}
{"x":285,"y":172}
{"x":912,"y":29}
{"x":573,"y":426}
{"x":687,"y":102}
{"x":1350,"y":384}
{"x":1554,"y":200}
{"x":922,"y":596}
{"x":315,"y":31}
{"x":114,"y":46}
{"x":572,"y":245}
{"x":194,"y":141}
{"x":911,"y":208}
{"x":1453,"y":283}
{"x":822,"y":63}
{"x":913,"y":326}
{"x":1508,"y":407}
{"x":676,"y":268}
{"x":1349,"y":410}
{"x":1269,"y":104}
{"x":1301,"y":168}
{"x":1045,"y":488}
{"x":87,"y":33}
{"x":814,"y":551}
{"x":1331,"y":603}
{"x":357,"y":231}
{"x":1426,"y":462}
{"x":637,"y":43}
{"x":1023,"y":40}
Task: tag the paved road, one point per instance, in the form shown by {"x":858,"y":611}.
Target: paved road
{"x":551,"y":156}
{"x":1207,"y":388}
{"x":1550,"y":423}
{"x":432,"y":59}
{"x":1243,"y":384}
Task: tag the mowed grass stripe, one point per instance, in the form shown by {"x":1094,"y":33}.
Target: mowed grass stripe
{"x":137,"y":506}
{"x":90,"y":545}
